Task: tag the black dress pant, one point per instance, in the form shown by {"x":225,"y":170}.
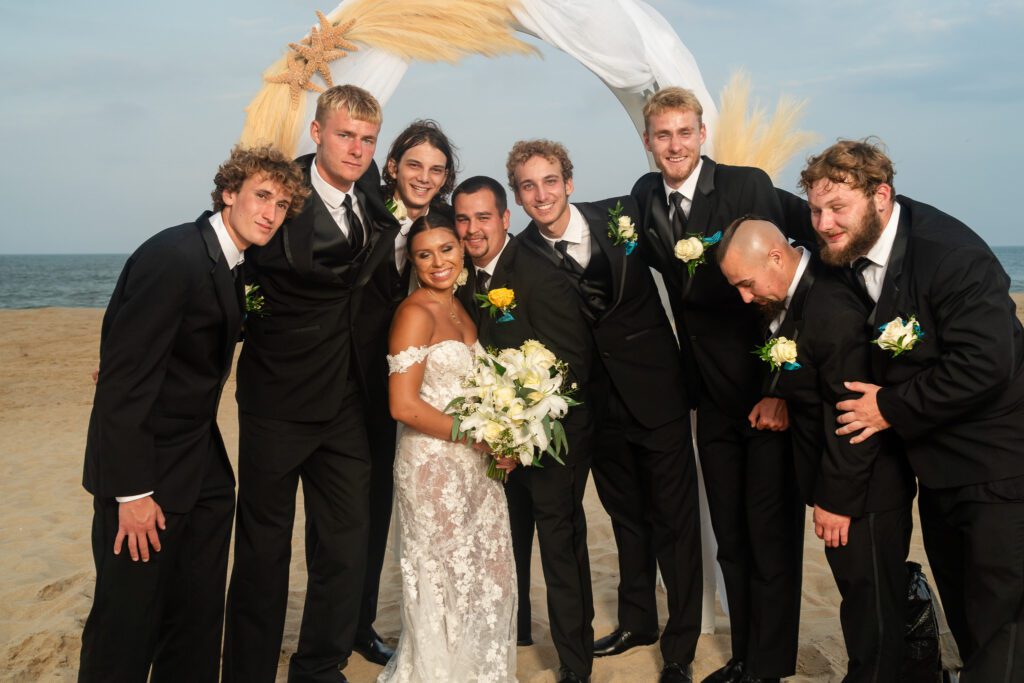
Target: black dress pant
{"x":168,"y":612}
{"x":758,"y":521}
{"x":871,"y":573}
{"x":332,"y":461}
{"x":974,"y":538}
{"x":647,"y":482}
{"x":552,"y":497}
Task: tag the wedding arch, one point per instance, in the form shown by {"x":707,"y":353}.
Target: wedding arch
{"x":627,"y":44}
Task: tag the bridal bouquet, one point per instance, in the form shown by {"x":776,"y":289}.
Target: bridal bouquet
{"x":512,"y":401}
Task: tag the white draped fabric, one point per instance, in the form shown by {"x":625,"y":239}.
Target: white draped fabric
{"x":633,"y":50}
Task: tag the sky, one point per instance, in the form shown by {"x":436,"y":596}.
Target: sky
{"x":114,"y":117}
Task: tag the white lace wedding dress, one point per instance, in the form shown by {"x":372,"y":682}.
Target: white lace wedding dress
{"x":455,"y":548}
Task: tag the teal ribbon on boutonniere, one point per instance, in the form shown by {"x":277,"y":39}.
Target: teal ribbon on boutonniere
{"x":621,"y":229}
{"x":692,"y":249}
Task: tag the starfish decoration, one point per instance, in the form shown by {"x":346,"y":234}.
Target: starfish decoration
{"x":334,"y":34}
{"x":318,"y":55}
{"x":296,"y":76}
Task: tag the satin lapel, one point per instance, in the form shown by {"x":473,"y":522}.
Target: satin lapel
{"x":297,"y":233}
{"x":382,"y":226}
{"x":661,"y":230}
{"x":886,"y":309}
{"x":792,"y":322}
{"x":225,"y":286}
{"x":533,"y":241}
{"x":597,"y":221}
{"x":699,"y":220}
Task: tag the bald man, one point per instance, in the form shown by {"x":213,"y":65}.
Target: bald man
{"x":861,"y":493}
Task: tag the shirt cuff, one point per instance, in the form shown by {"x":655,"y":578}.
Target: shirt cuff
{"x":128,"y":499}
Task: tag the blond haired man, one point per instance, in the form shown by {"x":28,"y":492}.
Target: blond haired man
{"x":745,"y":459}
{"x":302,"y":384}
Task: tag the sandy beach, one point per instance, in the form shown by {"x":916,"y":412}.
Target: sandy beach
{"x":46,"y":569}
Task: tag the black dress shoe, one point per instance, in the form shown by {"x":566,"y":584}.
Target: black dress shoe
{"x":374,"y":651}
{"x":752,"y":679}
{"x":618,"y":641}
{"x":523,"y":642}
{"x":674,"y":672}
{"x":567,"y":675}
{"x":730,"y":673}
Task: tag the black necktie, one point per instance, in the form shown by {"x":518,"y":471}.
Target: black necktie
{"x":678,"y":215}
{"x":483,"y":279}
{"x":568,"y":262}
{"x":356,"y":234}
{"x":859,"y":266}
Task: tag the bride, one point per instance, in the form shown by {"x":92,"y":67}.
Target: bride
{"x":455,"y":549}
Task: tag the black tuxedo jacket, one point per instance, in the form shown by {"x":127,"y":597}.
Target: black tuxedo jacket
{"x":316,"y":335}
{"x":166,"y":345}
{"x":632,"y":337}
{"x":825,"y":318}
{"x":717,"y":331}
{"x":957,"y":398}
{"x":547,"y":310}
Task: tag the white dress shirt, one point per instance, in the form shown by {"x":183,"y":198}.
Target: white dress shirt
{"x":878,"y":255}
{"x":401,"y":257}
{"x":333,"y":198}
{"x":577,"y":234}
{"x":687,"y":189}
{"x":234,"y":257}
{"x":489,"y":268}
{"x":805,"y":258}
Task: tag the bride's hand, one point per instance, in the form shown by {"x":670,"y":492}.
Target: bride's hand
{"x":507,"y":464}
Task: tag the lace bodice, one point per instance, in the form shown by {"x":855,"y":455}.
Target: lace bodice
{"x":447,"y":363}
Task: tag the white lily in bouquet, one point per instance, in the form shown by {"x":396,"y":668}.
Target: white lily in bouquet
{"x":512,"y":401}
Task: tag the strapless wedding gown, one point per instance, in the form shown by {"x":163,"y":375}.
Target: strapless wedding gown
{"x":454,"y":545}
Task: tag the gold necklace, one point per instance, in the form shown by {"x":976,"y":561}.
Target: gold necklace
{"x":451,"y":306}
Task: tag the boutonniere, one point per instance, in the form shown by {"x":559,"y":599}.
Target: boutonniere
{"x":462,"y":279}
{"x":692,"y":249}
{"x":254,"y":301}
{"x":621,"y":229}
{"x":899,"y":336}
{"x":780,"y":354}
{"x":397,"y":208}
{"x":500,"y":300}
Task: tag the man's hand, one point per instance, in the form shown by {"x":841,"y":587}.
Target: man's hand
{"x":861,"y":414}
{"x":771,"y":414}
{"x":832,"y":528}
{"x":138,"y":521}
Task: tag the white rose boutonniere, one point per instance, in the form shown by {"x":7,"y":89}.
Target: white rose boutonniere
{"x":397,"y":208}
{"x":692,"y":249}
{"x":621,"y":229}
{"x":780,"y":353}
{"x":462,"y":279}
{"x":899,"y":336}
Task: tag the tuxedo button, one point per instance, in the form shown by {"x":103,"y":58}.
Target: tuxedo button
{"x":605,"y":354}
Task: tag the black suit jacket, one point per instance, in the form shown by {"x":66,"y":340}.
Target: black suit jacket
{"x":546,"y":310}
{"x":957,"y":398}
{"x":632,"y":338}
{"x":716,"y":329}
{"x":826,"y":319}
{"x":316,"y":336}
{"x":166,"y":345}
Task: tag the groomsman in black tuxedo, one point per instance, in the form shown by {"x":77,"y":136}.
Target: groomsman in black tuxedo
{"x":861,"y":493}
{"x":950,"y":384}
{"x":642,"y":459}
{"x":154,"y":459}
{"x":546,"y":309}
{"x":419,"y":173}
{"x":302,"y":392}
{"x":746,"y":460}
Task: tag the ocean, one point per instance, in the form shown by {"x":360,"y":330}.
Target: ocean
{"x":86,"y":280}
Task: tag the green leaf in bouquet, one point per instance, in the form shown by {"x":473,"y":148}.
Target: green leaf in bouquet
{"x":456,"y":431}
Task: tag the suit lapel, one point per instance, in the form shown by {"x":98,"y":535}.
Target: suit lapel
{"x":382,"y":226}
{"x":597,"y":222}
{"x":226,"y":287}
{"x":660,"y":229}
{"x":886,"y":309}
{"x":699,"y":220}
{"x":792,"y":321}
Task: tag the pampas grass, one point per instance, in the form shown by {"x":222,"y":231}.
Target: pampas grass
{"x":424,"y":30}
{"x":746,"y":137}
